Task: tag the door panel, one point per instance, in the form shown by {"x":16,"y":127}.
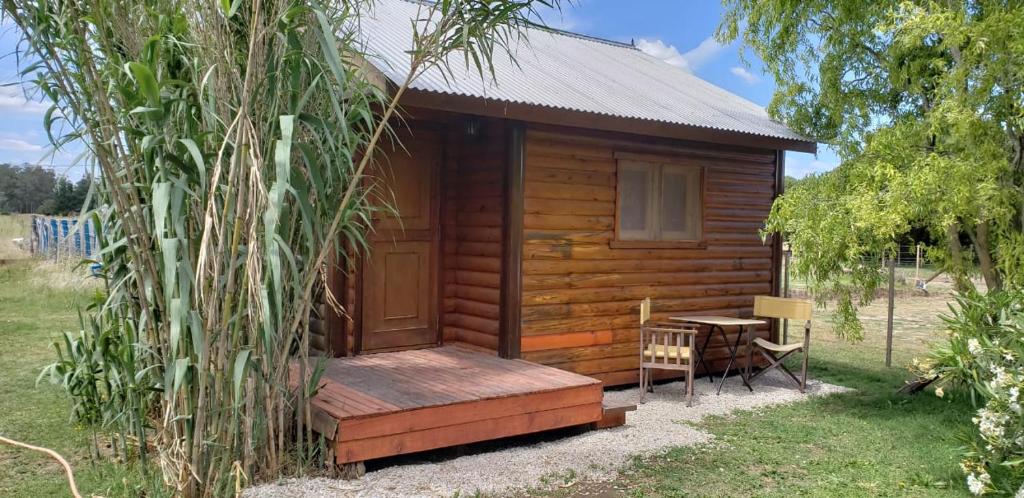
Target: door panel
{"x":400,"y":272}
{"x":410,"y":177}
{"x":398,"y":312}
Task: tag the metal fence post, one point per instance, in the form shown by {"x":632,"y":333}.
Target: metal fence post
{"x":892,"y":301}
{"x":786,"y":257}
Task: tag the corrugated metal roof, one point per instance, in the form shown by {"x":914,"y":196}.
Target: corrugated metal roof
{"x":566,"y":71}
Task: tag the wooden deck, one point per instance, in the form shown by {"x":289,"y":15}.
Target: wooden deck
{"x":388,"y":404}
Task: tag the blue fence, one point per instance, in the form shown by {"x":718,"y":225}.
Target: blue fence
{"x":60,"y":237}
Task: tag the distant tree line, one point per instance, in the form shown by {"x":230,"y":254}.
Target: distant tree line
{"x":34,"y":189}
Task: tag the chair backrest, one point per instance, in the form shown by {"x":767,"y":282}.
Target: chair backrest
{"x":782,"y":307}
{"x":645,"y":310}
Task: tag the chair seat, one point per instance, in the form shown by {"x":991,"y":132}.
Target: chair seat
{"x":778,"y":348}
{"x":661,"y":351}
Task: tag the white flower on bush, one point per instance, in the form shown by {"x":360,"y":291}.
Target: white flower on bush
{"x":978,"y":482}
{"x":1001,"y":378}
{"x":990,"y":423}
{"x":994,"y":372}
{"x":974,"y":346}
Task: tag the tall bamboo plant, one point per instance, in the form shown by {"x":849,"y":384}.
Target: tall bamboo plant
{"x":232,"y":139}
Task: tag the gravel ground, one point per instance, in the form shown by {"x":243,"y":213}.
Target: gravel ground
{"x":661,"y":422}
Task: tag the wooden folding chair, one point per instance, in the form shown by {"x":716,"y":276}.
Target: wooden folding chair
{"x":664,"y":346}
{"x":781,"y":308}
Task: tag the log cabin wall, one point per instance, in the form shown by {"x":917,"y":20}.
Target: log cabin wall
{"x":472,"y":214}
{"x":581,"y":296}
{"x":329,"y":328}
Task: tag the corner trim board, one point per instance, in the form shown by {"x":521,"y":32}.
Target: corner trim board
{"x":780,"y":188}
{"x":510,"y":332}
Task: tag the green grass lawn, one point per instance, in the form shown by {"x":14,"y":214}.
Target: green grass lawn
{"x":867,"y":443}
{"x":31,"y":315}
{"x":871,"y":442}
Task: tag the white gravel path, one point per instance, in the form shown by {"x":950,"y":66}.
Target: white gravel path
{"x":658,"y":424}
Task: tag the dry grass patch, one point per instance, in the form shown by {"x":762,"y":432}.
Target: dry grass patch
{"x":71,"y":275}
{"x":13,"y":227}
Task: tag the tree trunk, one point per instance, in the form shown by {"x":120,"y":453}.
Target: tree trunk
{"x":956,"y":269}
{"x":1017,"y":141}
{"x":982,"y":246}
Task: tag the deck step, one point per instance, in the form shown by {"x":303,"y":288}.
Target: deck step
{"x":386,"y":404}
{"x":613,"y":415}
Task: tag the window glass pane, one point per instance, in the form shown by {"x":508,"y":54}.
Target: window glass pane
{"x":634,"y":202}
{"x":680,"y":203}
{"x":673,"y":201}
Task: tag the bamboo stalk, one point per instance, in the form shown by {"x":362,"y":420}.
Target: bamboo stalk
{"x":232,"y":140}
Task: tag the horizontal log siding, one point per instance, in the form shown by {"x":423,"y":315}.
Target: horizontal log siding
{"x":581,"y":297}
{"x":474,"y":187}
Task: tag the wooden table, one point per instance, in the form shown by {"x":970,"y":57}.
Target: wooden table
{"x":719,"y":323}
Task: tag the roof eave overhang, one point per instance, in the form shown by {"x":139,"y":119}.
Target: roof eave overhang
{"x":563,"y":117}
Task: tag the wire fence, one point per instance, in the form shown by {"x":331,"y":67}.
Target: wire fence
{"x":62,"y":238}
{"x":909,"y":273}
{"x":913,"y":270}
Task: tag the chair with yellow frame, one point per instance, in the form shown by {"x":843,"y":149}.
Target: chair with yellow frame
{"x":797,"y":310}
{"x":664,"y":346}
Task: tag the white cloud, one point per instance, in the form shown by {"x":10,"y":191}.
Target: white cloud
{"x":563,"y":18}
{"x":689,"y":61}
{"x":744,"y":75}
{"x":707,"y":50}
{"x":13,"y":100}
{"x":18,"y":145}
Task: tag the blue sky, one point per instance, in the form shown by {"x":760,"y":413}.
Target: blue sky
{"x":22,"y":136}
{"x":679,"y":32}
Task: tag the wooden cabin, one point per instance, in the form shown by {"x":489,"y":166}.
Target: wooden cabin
{"x":536,"y":212}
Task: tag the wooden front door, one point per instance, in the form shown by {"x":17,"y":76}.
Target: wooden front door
{"x":400,"y":272}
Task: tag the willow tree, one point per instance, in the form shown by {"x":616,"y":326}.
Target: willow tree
{"x":231,"y":141}
{"x":924,"y":103}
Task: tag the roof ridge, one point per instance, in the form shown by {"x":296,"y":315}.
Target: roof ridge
{"x":557,"y":31}
{"x":573,"y":34}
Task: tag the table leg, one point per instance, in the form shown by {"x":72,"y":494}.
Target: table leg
{"x":744,"y":330}
{"x":700,"y":355}
{"x":733,"y":351}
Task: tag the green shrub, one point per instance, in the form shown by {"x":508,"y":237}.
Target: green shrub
{"x":984,"y":357}
{"x":103,"y":369}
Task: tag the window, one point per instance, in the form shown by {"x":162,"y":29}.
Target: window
{"x":658,"y":202}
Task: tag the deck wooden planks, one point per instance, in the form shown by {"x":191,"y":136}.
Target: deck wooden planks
{"x":442,"y":416}
{"x":401,"y":402}
{"x":480,"y":430}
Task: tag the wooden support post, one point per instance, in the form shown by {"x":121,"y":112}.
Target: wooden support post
{"x":351,"y":471}
{"x":510,"y":310}
{"x":892,"y":303}
{"x":778,"y":247}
